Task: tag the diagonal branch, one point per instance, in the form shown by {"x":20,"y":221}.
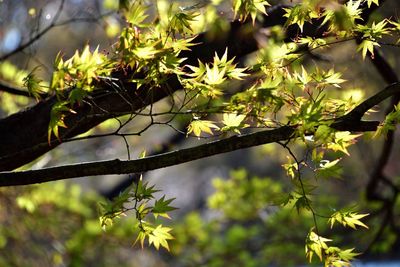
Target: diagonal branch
{"x":348,"y":122}
{"x":361,"y":109}
{"x":162,"y":160}
{"x":8,"y":88}
{"x":377,"y":175}
{"x":146,"y":164}
{"x":20,"y":146}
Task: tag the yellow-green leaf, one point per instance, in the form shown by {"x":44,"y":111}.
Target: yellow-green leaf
{"x":198,"y":126}
{"x":160,"y":236}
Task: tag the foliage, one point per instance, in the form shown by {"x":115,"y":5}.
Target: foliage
{"x":256,"y":204}
{"x":140,"y":194}
{"x":227,"y":96}
{"x":55,"y":225}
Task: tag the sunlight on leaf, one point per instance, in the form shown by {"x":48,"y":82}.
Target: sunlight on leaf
{"x":198,"y":126}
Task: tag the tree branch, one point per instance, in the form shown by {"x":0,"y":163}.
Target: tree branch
{"x":361,"y":109}
{"x":373,"y":192}
{"x":8,"y":88}
{"x":162,"y":160}
{"x":146,"y":164}
{"x":20,"y":146}
{"x":113,"y":191}
{"x":349,"y":122}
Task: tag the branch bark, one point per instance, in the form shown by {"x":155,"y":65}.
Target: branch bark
{"x":146,"y":164}
{"x":8,"y":88}
{"x":23,"y":136}
{"x":117,"y":166}
{"x":348,"y":122}
{"x":361,"y":109}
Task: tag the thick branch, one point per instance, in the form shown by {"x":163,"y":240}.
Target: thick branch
{"x":146,"y":164}
{"x":113,"y":191}
{"x":349,"y":122}
{"x":361,"y":109}
{"x":374,"y":192}
{"x":23,"y":136}
{"x":163,"y":160}
{"x":155,"y":162}
{"x":8,"y":88}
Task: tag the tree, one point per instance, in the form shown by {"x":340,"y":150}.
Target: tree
{"x":243,"y":82}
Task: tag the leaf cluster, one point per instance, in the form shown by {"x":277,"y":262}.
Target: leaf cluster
{"x":136,"y":198}
{"x":275,"y":89}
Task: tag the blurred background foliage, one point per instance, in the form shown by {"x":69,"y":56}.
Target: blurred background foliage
{"x":225,"y":217}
